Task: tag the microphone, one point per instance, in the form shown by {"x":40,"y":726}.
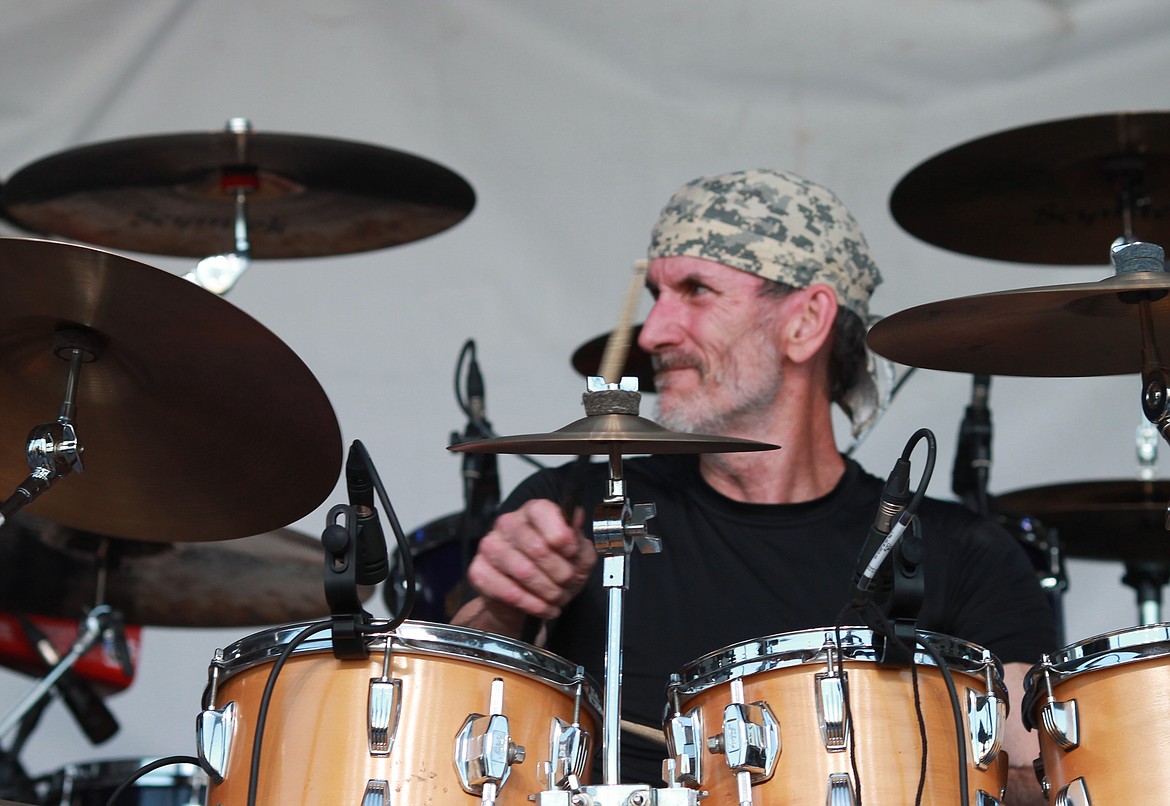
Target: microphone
{"x":887,"y":527}
{"x":475,"y":391}
{"x":373,"y":564}
{"x":82,"y":701}
{"x":973,"y":453}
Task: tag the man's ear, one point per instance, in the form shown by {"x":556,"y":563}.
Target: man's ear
{"x":809,"y":322}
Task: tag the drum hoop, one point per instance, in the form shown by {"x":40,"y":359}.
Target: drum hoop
{"x":804,"y":647}
{"x":421,"y":638}
{"x":1115,"y":648}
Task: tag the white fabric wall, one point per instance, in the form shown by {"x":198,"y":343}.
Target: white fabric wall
{"x":574,"y":122}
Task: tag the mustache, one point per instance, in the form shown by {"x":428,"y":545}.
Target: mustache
{"x":675,"y":360}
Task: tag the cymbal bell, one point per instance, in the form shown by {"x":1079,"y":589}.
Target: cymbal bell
{"x":586,"y":359}
{"x":1100,"y":520}
{"x":1074,"y":330}
{"x":174,"y":194}
{"x":273,"y":578}
{"x":197,"y":422}
{"x":1048,"y":193}
{"x":599,"y":434}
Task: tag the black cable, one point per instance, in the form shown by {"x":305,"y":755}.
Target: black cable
{"x":404,"y":555}
{"x":265,"y":700}
{"x":469,"y":350}
{"x":957,"y":712}
{"x":145,"y":769}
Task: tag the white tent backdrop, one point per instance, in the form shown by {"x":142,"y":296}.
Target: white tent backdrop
{"x":574,"y":122}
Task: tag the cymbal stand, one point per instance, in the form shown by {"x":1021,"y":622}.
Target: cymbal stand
{"x":619,"y":527}
{"x":98,"y":622}
{"x":219,"y":273}
{"x":54,"y":449}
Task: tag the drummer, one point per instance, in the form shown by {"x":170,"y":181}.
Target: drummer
{"x":761,"y":283}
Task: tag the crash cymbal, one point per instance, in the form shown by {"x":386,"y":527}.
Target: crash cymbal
{"x":1049,"y":193}
{"x":599,"y":434}
{"x":1075,"y":330}
{"x":174,"y":194}
{"x":587,"y":359}
{"x":1100,"y":520}
{"x":198,"y":423}
{"x":271,"y":578}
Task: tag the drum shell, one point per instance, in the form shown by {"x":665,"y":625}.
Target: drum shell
{"x":1109,"y":677}
{"x":780,"y":670}
{"x":315,"y":740}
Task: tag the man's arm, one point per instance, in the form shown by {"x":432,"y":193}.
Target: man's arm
{"x":1021,"y":745}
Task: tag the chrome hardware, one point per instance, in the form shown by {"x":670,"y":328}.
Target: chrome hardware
{"x":484,"y":750}
{"x":569,"y":746}
{"x":750,"y":741}
{"x":684,"y":745}
{"x":684,"y":766}
{"x":619,"y":795}
{"x":1038,"y":768}
{"x":569,"y":752}
{"x":984,"y":799}
{"x":840,"y":790}
{"x":384,"y":709}
{"x":1059,"y":719}
{"x":377,"y":793}
{"x":831,"y":713}
{"x":214,"y":730}
{"x":1076,"y":793}
{"x":986,"y":714}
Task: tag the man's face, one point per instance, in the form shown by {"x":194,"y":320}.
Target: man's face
{"x":714,"y":341}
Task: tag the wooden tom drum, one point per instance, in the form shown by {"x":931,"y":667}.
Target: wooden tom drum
{"x":436,"y":714}
{"x":802,"y":717}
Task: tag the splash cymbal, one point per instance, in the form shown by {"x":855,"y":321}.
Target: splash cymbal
{"x":1100,"y":520}
{"x":273,"y":578}
{"x":174,"y":194}
{"x":198,"y":423}
{"x":600,"y":433}
{"x":1049,"y":193}
{"x":1074,"y":330}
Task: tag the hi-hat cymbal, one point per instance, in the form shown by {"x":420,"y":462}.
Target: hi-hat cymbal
{"x":1049,"y":193}
{"x":173,"y":195}
{"x":1075,"y":330}
{"x":599,"y":434}
{"x":271,"y":578}
{"x":198,"y":423}
{"x":587,"y":360}
{"x":1100,"y":520}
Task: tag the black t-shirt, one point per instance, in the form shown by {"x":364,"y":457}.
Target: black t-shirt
{"x":731,"y":572}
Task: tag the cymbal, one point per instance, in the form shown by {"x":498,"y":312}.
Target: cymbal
{"x":1074,"y":330}
{"x":600,"y":433}
{"x":1048,"y":193}
{"x":173,"y":194}
{"x":587,"y":360}
{"x":1100,"y":520}
{"x":198,"y":423}
{"x":271,"y":578}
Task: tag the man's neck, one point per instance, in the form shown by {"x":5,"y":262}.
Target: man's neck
{"x":807,"y":466}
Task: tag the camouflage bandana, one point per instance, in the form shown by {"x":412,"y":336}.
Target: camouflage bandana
{"x":781,"y":227}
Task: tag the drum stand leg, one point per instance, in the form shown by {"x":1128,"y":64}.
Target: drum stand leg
{"x":1147,"y":578}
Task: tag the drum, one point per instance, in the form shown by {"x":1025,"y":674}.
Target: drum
{"x":436,"y":714}
{"x":800,"y":717}
{"x":1085,"y":701}
{"x":92,"y":783}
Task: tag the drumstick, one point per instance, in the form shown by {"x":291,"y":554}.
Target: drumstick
{"x":617,"y":347}
{"x":645,"y":732}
